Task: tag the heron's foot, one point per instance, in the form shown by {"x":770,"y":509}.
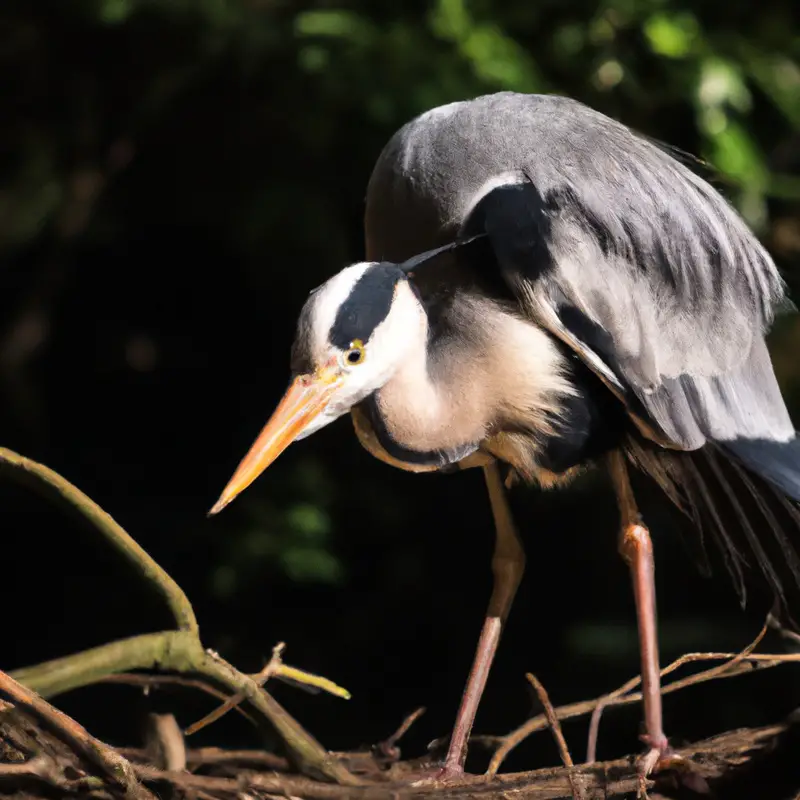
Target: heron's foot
{"x":439,"y":773}
{"x":660,"y":758}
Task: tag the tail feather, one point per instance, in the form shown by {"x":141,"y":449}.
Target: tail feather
{"x":746,"y":495}
{"x":700,"y":496}
{"x":745,"y":518}
{"x":777,"y":462}
{"x":787,"y":548}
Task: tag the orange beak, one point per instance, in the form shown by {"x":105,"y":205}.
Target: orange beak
{"x":304,"y":401}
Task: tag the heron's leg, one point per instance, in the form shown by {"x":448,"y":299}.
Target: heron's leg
{"x":636,"y":548}
{"x":508,"y":564}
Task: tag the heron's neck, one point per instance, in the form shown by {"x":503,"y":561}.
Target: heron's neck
{"x":426,"y":406}
{"x":495,"y":372}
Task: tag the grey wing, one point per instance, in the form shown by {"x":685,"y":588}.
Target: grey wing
{"x":657,"y":284}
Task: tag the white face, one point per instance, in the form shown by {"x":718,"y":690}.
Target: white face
{"x":371,"y":362}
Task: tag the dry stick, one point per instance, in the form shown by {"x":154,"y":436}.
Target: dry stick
{"x":165,"y":743}
{"x":180,"y":650}
{"x":101,"y":755}
{"x":558,"y":734}
{"x":38,"y":767}
{"x":234,"y":700}
{"x":594,"y":725}
{"x":748,"y":664}
{"x":388,"y":745}
{"x":216,"y":756}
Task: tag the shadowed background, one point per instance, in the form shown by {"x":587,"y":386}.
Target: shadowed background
{"x":175,"y":177}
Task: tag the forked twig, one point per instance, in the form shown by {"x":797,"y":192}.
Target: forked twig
{"x":234,"y":700}
{"x":274,"y":668}
{"x":738,"y":665}
{"x":594,"y":724}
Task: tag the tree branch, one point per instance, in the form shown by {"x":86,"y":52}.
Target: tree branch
{"x":168,"y":650}
{"x":179,"y":651}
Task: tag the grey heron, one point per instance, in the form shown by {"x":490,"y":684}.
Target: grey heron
{"x":545,"y":289}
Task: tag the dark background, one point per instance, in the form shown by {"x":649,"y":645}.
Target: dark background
{"x":175,"y":177}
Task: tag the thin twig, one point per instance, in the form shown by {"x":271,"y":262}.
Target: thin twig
{"x":749,"y":664}
{"x":234,"y":700}
{"x":594,"y":725}
{"x":216,"y":756}
{"x":388,"y":747}
{"x":558,"y":734}
{"x":101,"y":755}
{"x":146,"y":681}
{"x":277,"y":669}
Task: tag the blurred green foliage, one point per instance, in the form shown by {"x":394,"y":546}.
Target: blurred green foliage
{"x":735,"y":66}
{"x":292,"y":533}
{"x":91,"y":88}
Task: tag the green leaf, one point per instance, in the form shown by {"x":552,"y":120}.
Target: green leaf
{"x":310,"y":564}
{"x":334,"y":24}
{"x":309,"y":522}
{"x":672,"y":35}
{"x":779,"y":78}
{"x":722,"y":83}
{"x":450,"y":20}
{"x":114,"y":12}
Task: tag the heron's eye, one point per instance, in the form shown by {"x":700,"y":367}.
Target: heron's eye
{"x":355,"y":354}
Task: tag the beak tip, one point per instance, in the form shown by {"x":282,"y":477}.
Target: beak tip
{"x":217,"y":507}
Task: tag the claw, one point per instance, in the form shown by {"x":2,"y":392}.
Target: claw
{"x":661,"y":758}
{"x":441,"y":774}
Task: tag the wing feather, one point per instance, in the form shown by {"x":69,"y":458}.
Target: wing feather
{"x":689,"y":360}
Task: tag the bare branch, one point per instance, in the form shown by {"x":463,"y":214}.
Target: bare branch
{"x":738,"y":664}
{"x":176,"y":650}
{"x":179,"y":651}
{"x":234,"y":700}
{"x":594,"y":725}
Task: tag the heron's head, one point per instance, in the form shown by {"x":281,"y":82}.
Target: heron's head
{"x":353,"y":334}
